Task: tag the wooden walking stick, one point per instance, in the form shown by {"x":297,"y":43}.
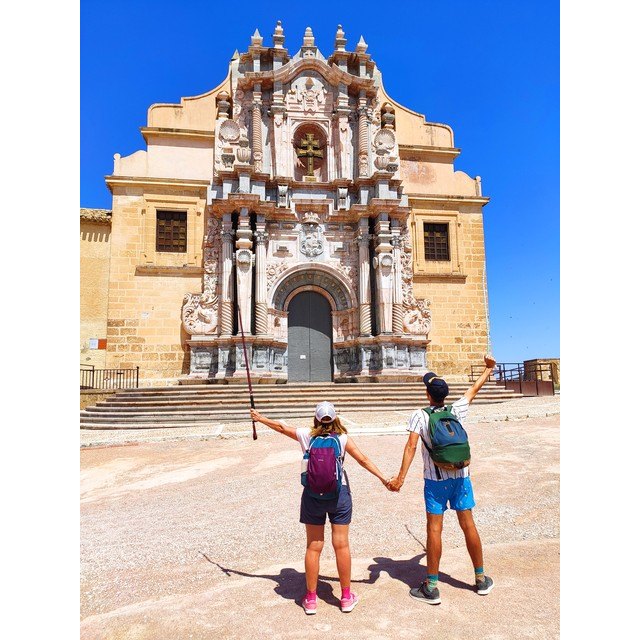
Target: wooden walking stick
{"x":246,"y":364}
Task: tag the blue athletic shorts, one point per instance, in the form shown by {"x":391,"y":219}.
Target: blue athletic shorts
{"x":315,"y":511}
{"x":458,"y":492}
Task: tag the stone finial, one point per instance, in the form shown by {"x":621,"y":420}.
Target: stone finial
{"x":278,"y":36}
{"x":235,"y":56}
{"x":361,"y":47}
{"x":340,"y":41}
{"x":256,"y":39}
{"x":309,"y":39}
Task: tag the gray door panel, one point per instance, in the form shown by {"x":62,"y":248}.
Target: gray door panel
{"x":309,"y":338}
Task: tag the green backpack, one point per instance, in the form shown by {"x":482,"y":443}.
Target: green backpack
{"x":449,"y":441}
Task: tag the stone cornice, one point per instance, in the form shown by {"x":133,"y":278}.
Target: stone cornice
{"x":428,"y":197}
{"x":192,"y":134}
{"x":425,"y":152}
{"x":97,"y":216}
{"x":146,"y":181}
{"x":157,"y":270}
{"x":332,"y":73}
{"x":439,"y":277}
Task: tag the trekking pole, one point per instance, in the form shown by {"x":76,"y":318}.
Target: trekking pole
{"x":246,"y":364}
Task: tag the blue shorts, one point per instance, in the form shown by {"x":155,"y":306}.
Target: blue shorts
{"x":458,"y":492}
{"x":315,"y":511}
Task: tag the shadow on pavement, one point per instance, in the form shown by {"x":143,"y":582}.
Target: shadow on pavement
{"x":290,"y":584}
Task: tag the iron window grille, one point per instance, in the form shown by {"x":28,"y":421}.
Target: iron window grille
{"x":436,"y":241}
{"x":171,"y":231}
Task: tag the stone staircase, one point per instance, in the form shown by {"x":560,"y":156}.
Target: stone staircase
{"x":199,"y":405}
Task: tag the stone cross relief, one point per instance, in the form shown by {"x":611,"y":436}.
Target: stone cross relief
{"x":309,"y":149}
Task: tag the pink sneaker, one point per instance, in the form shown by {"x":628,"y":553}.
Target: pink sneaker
{"x":347,"y":604}
{"x":309,"y":606}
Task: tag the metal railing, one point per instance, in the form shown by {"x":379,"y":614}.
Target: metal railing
{"x":529,"y":380}
{"x":92,"y":378}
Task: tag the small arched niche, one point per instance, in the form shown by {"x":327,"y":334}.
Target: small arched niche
{"x":310,"y":153}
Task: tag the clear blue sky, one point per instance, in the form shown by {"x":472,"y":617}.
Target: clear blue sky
{"x":489,"y":69}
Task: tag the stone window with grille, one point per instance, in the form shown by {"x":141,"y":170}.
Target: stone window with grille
{"x":171,"y":231}
{"x":436,"y":241}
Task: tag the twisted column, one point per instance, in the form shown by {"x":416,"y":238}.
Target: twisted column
{"x":364,"y":290}
{"x":226,"y":304}
{"x":256,"y":134}
{"x":363,"y":137}
{"x":261,"y":276}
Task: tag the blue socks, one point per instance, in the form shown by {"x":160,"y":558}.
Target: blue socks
{"x":479,"y":571}
{"x":432,"y":582}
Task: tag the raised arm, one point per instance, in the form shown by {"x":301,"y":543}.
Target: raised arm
{"x":407,"y":458}
{"x":276,"y":425}
{"x":363,"y":461}
{"x":472,"y":391}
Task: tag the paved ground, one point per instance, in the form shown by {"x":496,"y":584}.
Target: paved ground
{"x":198,"y":537}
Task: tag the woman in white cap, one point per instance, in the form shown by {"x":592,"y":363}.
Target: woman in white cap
{"x":327,"y":434}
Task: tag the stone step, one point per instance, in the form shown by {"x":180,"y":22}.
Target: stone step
{"x":184,"y":405}
{"x":115,"y":419}
{"x":179,"y":405}
{"x":306,"y":386}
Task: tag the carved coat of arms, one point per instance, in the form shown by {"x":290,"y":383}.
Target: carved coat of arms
{"x":311,"y":240}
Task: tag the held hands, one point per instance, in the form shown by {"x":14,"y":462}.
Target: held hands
{"x":394,"y":484}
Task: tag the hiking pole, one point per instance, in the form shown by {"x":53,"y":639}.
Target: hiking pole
{"x":246,"y":364}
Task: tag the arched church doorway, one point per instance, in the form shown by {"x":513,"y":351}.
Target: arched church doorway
{"x":309,"y":338}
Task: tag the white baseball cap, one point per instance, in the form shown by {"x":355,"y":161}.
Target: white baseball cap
{"x":325,"y":412}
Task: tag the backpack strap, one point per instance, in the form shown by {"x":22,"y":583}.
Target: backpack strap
{"x":429,"y":412}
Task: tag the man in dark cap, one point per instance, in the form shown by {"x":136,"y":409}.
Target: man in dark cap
{"x":444,"y":482}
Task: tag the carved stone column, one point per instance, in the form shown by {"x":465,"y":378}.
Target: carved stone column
{"x":244,"y":262}
{"x":261,"y":276}
{"x":398,"y":309}
{"x":226,"y":288}
{"x":364,"y":290}
{"x":363,"y":137}
{"x":383,"y":264}
{"x":256,"y":134}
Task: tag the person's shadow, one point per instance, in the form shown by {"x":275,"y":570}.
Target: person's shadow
{"x":290,"y":584}
{"x":411,"y":572}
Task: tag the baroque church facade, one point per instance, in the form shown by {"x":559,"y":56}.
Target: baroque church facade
{"x":297,"y":204}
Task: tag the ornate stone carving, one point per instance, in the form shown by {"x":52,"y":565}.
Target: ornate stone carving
{"x":311,"y":239}
{"x":243,"y":153}
{"x":329,"y":283}
{"x":384,"y":143}
{"x":417,"y":317}
{"x":273,"y":271}
{"x":229,"y":132}
{"x":283,"y":194}
{"x":200,"y":313}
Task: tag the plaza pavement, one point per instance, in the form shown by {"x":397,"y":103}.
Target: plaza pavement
{"x":196,"y":535}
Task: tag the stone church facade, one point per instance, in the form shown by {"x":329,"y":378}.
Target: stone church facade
{"x":296,"y":199}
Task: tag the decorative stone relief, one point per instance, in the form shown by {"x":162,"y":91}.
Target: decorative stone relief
{"x":311,"y":237}
{"x":273,"y":271}
{"x":200,"y":313}
{"x":417,"y":317}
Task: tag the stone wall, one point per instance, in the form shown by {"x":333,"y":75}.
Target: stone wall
{"x":147,"y":288}
{"x":95,"y":236}
{"x":456,"y":289}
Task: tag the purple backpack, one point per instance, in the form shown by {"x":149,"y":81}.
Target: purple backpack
{"x":323,"y":477}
